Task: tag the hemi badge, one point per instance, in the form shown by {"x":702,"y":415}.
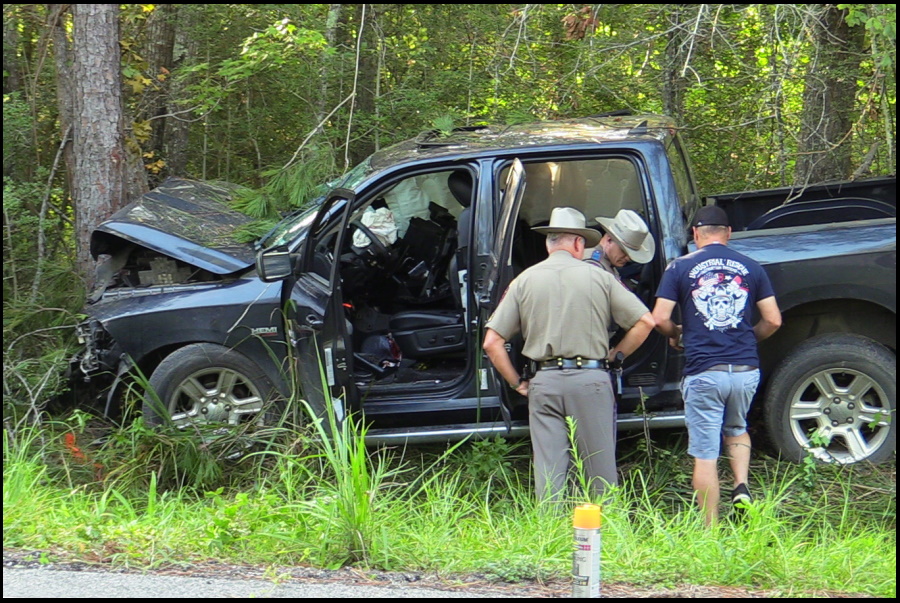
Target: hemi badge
{"x":264,"y":331}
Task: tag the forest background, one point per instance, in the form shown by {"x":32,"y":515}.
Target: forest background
{"x":102,"y":102}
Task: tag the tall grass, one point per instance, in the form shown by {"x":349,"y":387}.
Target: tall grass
{"x":332,"y":502}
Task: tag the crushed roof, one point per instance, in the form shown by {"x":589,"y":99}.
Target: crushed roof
{"x":478,"y":139}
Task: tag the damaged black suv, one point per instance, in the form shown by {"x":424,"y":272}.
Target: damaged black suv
{"x":373,"y":300}
{"x":380,"y":289}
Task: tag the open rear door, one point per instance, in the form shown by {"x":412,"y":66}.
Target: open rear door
{"x":500,"y":269}
{"x":324,"y":349}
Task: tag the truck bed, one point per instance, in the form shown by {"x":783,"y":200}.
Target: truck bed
{"x":867,"y":199}
{"x":800,"y":243}
{"x":851,"y":263}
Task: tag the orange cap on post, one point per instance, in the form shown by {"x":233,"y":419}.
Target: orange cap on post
{"x":587,"y":517}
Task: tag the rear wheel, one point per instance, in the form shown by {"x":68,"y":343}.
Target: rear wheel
{"x":834,"y":397}
{"x":204,"y":384}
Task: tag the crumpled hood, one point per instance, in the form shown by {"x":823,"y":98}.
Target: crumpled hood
{"x":185,"y":219}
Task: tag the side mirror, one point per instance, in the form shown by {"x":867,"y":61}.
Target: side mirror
{"x":274,"y":264}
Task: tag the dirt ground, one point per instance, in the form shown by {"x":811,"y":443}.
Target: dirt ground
{"x":469,"y":582}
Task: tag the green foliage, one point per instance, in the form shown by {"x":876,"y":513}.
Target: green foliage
{"x":810,"y":474}
{"x":290,"y":188}
{"x":17,"y":126}
{"x":276,"y":46}
{"x":260,"y":78}
{"x":40,"y":300}
{"x":880,"y":20}
{"x":484,"y":461}
{"x":519,"y":569}
{"x":254,"y":87}
{"x":286,"y":189}
{"x":308,"y":502}
{"x":444,"y":124}
{"x":21,"y":206}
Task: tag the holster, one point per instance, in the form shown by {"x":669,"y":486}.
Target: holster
{"x":529,"y":370}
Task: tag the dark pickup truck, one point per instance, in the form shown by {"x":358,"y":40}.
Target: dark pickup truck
{"x":374,"y":298}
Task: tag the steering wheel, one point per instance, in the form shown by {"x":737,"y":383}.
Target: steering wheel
{"x":375,"y":250}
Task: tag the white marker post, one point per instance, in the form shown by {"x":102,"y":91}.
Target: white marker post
{"x":586,"y":556}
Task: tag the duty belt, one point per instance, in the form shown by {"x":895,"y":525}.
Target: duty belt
{"x":732,"y":368}
{"x":573,"y":363}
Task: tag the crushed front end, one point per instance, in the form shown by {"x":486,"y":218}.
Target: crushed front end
{"x":95,"y":372}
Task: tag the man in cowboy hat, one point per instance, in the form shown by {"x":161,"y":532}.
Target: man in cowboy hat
{"x":627,"y":238}
{"x":562,"y":307}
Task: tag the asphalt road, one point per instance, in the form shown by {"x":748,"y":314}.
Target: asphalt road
{"x":56,"y":583}
{"x":36,"y":574}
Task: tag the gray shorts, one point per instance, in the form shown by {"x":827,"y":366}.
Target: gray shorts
{"x":716,"y":404}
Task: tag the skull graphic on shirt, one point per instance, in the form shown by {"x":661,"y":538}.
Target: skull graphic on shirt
{"x":720,"y":298}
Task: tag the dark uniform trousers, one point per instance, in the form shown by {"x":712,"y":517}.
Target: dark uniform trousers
{"x":587,"y":396}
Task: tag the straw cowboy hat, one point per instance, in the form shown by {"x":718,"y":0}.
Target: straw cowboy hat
{"x":632,"y":235}
{"x":570,"y":220}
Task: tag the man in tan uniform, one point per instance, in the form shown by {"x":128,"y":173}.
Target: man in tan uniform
{"x":562,"y":307}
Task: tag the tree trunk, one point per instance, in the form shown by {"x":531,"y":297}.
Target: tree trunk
{"x":99,"y":176}
{"x":158,"y":46}
{"x":332,"y":22}
{"x":12,"y":80}
{"x":829,"y":98}
{"x":675,"y":57}
{"x":65,"y":100}
{"x":184,"y":53}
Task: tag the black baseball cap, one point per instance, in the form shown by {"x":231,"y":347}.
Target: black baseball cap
{"x":710,"y":215}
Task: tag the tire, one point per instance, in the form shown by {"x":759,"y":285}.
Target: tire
{"x":834,"y":397}
{"x":207,"y":384}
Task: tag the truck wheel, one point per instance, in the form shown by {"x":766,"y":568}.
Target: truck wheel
{"x":204,"y":383}
{"x":834,"y":396}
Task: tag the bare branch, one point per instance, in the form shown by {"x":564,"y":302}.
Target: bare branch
{"x":316,"y":129}
{"x":687,"y":58}
{"x":177,"y":113}
{"x":42,"y":238}
{"x":866,"y":162}
{"x":362,"y":24}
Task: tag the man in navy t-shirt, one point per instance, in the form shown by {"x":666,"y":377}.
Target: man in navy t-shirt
{"x":717,"y":288}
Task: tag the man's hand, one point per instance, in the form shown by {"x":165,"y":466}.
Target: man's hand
{"x":495,"y":346}
{"x":676,"y":342}
{"x":522,"y":388}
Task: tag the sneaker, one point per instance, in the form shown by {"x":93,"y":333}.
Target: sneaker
{"x":741,"y":494}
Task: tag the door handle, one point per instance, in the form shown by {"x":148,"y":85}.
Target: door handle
{"x":314,"y":321}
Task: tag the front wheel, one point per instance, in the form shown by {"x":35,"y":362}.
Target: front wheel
{"x":834,"y":397}
{"x":207,"y":384}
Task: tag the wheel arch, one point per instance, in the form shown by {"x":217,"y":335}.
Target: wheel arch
{"x":143,"y":368}
{"x":206,"y":382}
{"x":804,"y":321}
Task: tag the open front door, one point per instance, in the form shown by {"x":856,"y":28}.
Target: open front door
{"x":501,"y":270}
{"x":324,"y":349}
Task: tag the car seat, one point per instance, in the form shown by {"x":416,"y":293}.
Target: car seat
{"x":423,"y":333}
{"x":460,"y":184}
